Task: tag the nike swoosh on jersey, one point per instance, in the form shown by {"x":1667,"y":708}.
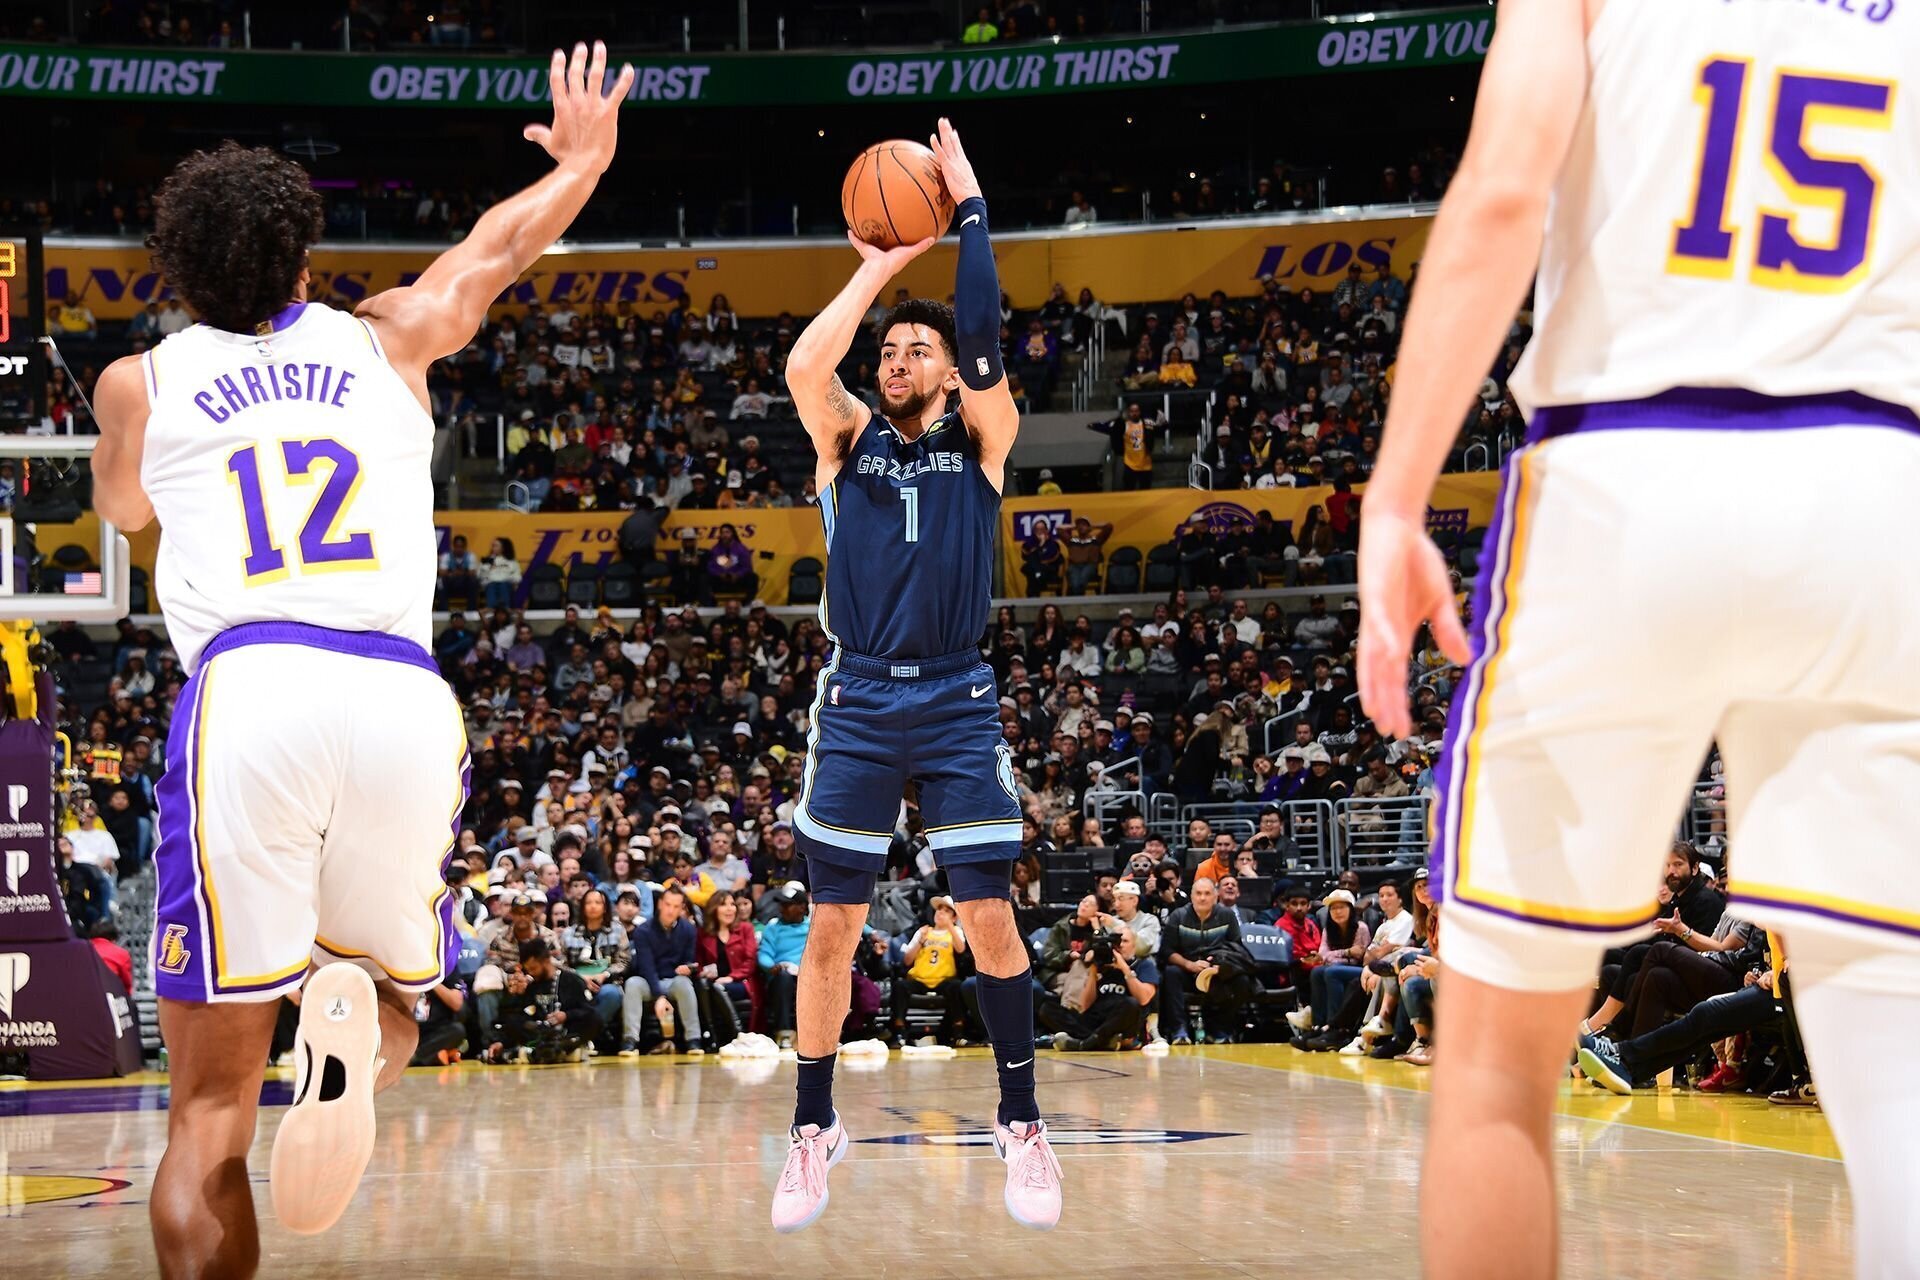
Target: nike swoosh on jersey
{"x":982,"y":689}
{"x":1013,"y":1065}
{"x":970,"y":220}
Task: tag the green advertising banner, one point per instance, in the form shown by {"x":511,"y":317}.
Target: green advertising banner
{"x":1436,"y":38}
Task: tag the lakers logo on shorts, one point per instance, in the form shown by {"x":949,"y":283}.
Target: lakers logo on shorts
{"x":173,"y":950}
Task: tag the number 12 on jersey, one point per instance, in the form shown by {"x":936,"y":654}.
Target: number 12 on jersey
{"x":322,"y":547}
{"x":1846,"y":186}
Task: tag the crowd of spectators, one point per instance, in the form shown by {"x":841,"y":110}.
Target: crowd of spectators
{"x":639,"y":774}
{"x":626,"y":877}
{"x":1295,"y":384}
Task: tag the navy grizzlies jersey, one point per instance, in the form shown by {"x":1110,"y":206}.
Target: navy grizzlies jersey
{"x":909,"y":543}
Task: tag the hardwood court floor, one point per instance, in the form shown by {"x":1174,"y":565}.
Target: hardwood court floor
{"x":1219,"y":1163}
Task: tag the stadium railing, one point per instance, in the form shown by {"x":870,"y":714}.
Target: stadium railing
{"x":1379,"y":833}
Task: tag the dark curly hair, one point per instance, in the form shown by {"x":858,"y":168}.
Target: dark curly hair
{"x":937,"y":316}
{"x":231,"y":232}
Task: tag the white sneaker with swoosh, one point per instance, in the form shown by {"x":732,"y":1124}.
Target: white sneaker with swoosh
{"x":985,"y":688}
{"x":1033,"y":1173}
{"x":801,"y":1196}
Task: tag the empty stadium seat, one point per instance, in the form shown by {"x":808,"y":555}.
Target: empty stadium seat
{"x":583,"y":585}
{"x":1163,"y":569}
{"x":656,"y":577}
{"x":806,"y":582}
{"x":619,"y":586}
{"x":545,"y":587}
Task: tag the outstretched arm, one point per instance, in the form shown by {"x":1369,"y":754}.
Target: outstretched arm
{"x":831,"y":416}
{"x":438,"y":314}
{"x":1484,"y":249}
{"x":985,"y":401}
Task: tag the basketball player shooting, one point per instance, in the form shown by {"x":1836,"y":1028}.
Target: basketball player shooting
{"x":910,"y":498}
{"x":316,"y":773}
{"x":1721,"y":201}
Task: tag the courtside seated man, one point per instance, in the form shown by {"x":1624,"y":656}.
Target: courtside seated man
{"x":910,"y":498}
{"x":1722,"y":201}
{"x":316,"y":775}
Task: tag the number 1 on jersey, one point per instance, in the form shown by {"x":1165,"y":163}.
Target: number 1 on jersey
{"x":911,"y":496}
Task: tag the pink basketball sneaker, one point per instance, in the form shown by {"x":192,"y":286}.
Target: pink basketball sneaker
{"x":802,"y":1194}
{"x":1033,"y":1173}
{"x":326,"y":1137}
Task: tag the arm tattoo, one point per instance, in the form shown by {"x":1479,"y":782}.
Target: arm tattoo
{"x":839,"y":402}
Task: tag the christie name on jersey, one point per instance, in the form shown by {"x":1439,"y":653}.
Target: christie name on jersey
{"x":894,"y":469}
{"x":252,"y":385}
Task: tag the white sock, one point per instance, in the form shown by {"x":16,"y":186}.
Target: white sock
{"x":1860,"y":1016}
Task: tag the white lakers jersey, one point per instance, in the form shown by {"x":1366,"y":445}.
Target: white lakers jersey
{"x":290,"y":474}
{"x":1740,"y":206}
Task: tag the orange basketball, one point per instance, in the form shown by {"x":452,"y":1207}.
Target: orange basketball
{"x":894,"y":195}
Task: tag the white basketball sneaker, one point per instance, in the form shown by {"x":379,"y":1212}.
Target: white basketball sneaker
{"x":801,"y":1196}
{"x":1033,"y":1173}
{"x":326,"y":1137}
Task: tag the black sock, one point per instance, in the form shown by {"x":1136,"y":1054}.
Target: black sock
{"x":813,"y":1103}
{"x":1006,"y":1006}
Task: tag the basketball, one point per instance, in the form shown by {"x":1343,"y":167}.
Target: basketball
{"x":894,"y":195}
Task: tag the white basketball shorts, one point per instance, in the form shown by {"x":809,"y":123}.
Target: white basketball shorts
{"x":1745,"y":576}
{"x":313,"y":782}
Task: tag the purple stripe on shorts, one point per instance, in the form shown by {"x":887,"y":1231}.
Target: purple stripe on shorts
{"x":177,"y":903}
{"x":1722,"y":409}
{"x":1440,"y":860}
{"x":362,"y":644}
{"x":1825,"y":913}
{"x":449,"y":935}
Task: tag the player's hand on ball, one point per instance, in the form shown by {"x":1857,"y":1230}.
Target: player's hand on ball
{"x":955,"y":168}
{"x":586,"y":118}
{"x":892,"y":259}
{"x":1403,"y":583}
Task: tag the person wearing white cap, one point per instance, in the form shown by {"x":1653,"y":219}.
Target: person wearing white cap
{"x":1143,"y":930}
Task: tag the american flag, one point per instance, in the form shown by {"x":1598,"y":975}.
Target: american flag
{"x":83,"y":584}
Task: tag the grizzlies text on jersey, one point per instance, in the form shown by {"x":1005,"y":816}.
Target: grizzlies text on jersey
{"x":909,"y":543}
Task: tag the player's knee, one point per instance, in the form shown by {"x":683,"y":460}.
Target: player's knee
{"x":834,"y":931}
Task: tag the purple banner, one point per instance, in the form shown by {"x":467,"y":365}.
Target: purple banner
{"x":31,"y":909}
{"x":66,"y":1011}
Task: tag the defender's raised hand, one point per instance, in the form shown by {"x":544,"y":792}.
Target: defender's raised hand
{"x":586,"y":118}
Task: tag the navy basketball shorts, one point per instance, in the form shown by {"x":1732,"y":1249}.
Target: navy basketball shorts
{"x":880,"y":724}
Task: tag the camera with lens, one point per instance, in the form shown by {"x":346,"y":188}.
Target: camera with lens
{"x":1100,"y":949}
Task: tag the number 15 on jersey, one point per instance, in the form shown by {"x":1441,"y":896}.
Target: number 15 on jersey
{"x":1846,"y":187}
